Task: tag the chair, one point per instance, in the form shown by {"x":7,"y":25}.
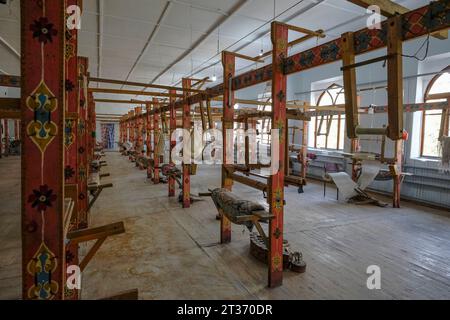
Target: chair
{"x":330,"y":167}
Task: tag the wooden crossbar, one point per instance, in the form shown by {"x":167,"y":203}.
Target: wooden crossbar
{"x":99,"y":234}
{"x":96,"y":233}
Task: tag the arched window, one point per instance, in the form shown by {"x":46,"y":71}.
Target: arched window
{"x":432,"y":120}
{"x":328,"y":131}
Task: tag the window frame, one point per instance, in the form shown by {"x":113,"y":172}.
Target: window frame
{"x":339,"y":119}
{"x":424,"y":113}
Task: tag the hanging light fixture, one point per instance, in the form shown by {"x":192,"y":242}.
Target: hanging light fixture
{"x":214,"y":77}
{"x":262,"y":48}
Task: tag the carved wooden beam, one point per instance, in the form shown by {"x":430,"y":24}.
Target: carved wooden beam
{"x":9,"y":81}
{"x":389,"y":9}
{"x":140,"y":84}
{"x":138,"y":93}
{"x":9,"y":108}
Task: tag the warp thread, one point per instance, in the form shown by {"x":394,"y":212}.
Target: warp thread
{"x":445,"y":154}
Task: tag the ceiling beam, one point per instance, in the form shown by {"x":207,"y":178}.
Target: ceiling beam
{"x":140,"y":84}
{"x":133,"y":92}
{"x":126,"y":101}
{"x":389,"y":9}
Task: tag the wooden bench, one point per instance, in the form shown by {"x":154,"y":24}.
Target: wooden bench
{"x":98,"y":154}
{"x":96,"y":165}
{"x":144,"y":162}
{"x":95,"y":187}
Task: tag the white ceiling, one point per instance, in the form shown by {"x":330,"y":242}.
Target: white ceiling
{"x":117,"y":31}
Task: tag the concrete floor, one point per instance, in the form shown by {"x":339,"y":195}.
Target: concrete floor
{"x":173,"y":253}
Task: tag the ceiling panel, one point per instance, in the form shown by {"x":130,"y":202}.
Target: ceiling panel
{"x":185,"y":17}
{"x":135,"y":9}
{"x":123,"y":29}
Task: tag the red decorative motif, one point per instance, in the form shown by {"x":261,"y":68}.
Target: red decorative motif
{"x":43,"y":30}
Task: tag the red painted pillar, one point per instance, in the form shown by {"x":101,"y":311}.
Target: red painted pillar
{"x":90,"y":121}
{"x":42,"y":95}
{"x":139,"y":127}
{"x":279,"y":36}
{"x":71,"y":139}
{"x":149,"y":139}
{"x":16,"y":130}
{"x":186,"y":126}
{"x":83,"y":164}
{"x":7,"y":142}
{"x":93,"y":124}
{"x":1,"y":138}
{"x":120,"y":131}
{"x":173,"y":142}
{"x":156,"y":134}
{"x":229,"y":70}
{"x":131,"y":128}
{"x":304,"y":149}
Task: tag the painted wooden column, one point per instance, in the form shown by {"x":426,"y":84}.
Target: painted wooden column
{"x":156,"y":137}
{"x":131,"y":128}
{"x":139,"y":127}
{"x":173,"y":142}
{"x":71,"y":139}
{"x":187,"y":127}
{"x":83,"y":165}
{"x":16,"y":129}
{"x":229,"y":70}
{"x":7,"y":142}
{"x":279,"y":36}
{"x":124,"y":127}
{"x":42,"y":116}
{"x":120,"y":130}
{"x":149,"y":127}
{"x":90,"y":146}
{"x":1,"y":138}
{"x":304,"y":149}
{"x":93,"y":125}
{"x":136,"y":133}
